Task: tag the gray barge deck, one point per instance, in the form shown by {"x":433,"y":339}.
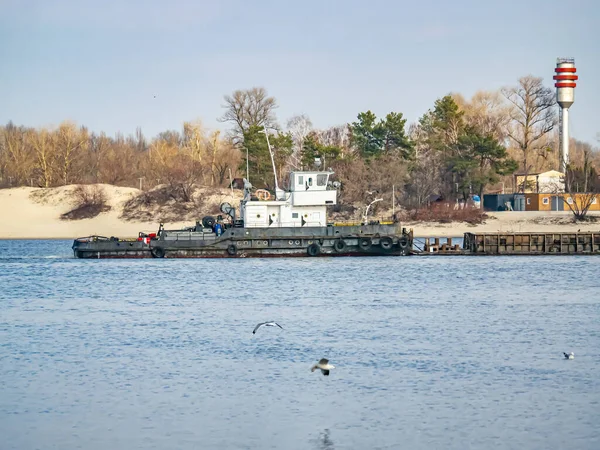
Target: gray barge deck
{"x":501,"y":243}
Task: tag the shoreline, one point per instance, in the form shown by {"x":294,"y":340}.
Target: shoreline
{"x":34,"y":214}
{"x":455,"y":230}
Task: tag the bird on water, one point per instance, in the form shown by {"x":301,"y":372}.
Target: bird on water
{"x":569,"y":355}
{"x":266,"y":324}
{"x":324,"y":365}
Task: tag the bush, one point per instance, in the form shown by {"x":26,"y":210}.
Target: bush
{"x":342,"y":212}
{"x":89,"y":201}
{"x":166,"y":203}
{"x":444,"y":213}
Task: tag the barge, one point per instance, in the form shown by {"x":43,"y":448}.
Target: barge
{"x":293,"y":223}
{"x":522,"y":243}
{"x":532,"y":243}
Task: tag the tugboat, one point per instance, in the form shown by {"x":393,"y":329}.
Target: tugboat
{"x":293,"y":223}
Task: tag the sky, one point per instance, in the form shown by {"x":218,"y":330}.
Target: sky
{"x":116,"y":65}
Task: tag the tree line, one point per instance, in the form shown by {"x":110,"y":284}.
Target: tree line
{"x":457,"y":148}
{"x":73,"y":155}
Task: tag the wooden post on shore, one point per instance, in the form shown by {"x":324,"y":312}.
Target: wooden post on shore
{"x":393,"y":199}
{"x":231,"y":182}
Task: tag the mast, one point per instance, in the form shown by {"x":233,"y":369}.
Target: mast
{"x":277,"y":190}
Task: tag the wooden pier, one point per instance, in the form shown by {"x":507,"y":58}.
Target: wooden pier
{"x":436,"y":246}
{"x":502,"y":243}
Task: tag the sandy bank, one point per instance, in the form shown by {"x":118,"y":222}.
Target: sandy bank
{"x":34,"y":213}
{"x":508,"y":222}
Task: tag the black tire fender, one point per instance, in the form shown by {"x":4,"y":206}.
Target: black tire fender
{"x":232,"y":250}
{"x":364,"y":243}
{"x":313,"y":249}
{"x":403,"y":243}
{"x":386,"y":243}
{"x":339,"y":245}
{"x":158,"y":252}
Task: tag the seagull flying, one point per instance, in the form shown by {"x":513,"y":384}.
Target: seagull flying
{"x":266,"y":324}
{"x":569,"y":355}
{"x":324,"y":366}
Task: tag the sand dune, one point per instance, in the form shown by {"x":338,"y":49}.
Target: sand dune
{"x":34,"y":213}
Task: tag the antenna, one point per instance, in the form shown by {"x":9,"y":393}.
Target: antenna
{"x":277,"y":190}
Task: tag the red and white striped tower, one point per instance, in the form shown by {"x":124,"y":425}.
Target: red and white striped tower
{"x":565,"y":96}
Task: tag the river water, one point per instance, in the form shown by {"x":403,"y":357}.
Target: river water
{"x":430,"y":352}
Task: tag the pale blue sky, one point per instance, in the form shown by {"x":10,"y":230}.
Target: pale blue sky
{"x":100,"y":63}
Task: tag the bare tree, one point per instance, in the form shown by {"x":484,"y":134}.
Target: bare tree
{"x":385,"y":172}
{"x":582,"y":185}
{"x":354,"y":176}
{"x":487,"y":112}
{"x":171,"y":137}
{"x":579,"y":151}
{"x":229,"y":157}
{"x":425,"y":180}
{"x":16,"y":158}
{"x":140,"y":140}
{"x":179,"y":170}
{"x":336,"y":136}
{"x":250,"y":107}
{"x":215,"y":146}
{"x":194,"y":140}
{"x":425,"y":175}
{"x":44,"y":145}
{"x":299,"y":127}
{"x":532,"y":117}
{"x":182,"y":174}
{"x":118,"y":163}
{"x":70,"y":143}
{"x":98,"y":146}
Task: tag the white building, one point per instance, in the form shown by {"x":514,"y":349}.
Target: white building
{"x":551,"y":182}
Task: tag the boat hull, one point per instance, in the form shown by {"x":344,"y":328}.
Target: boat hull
{"x":360,"y":240}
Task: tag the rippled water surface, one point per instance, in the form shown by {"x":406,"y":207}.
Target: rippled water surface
{"x":430,"y":353}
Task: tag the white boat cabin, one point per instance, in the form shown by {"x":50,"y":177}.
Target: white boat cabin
{"x":303,"y":204}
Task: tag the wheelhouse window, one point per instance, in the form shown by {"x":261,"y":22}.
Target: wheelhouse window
{"x":321,"y":180}
{"x":294,"y":215}
{"x":300,"y":180}
{"x":310,"y":181}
